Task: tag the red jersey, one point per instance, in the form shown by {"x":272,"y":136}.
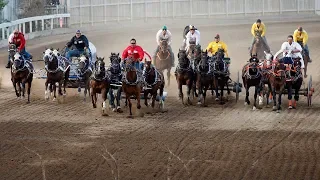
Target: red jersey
{"x":19,"y":41}
{"x":136,"y":52}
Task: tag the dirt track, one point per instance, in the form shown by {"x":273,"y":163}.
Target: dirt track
{"x":47,"y":140}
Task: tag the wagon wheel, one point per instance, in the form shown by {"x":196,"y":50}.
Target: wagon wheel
{"x":310,"y":90}
{"x":237,"y":88}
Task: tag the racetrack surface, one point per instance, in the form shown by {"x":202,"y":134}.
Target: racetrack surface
{"x":50,"y":140}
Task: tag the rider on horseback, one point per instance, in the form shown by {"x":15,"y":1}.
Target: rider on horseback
{"x":193,"y":34}
{"x":18,"y":39}
{"x":164,"y":33}
{"x":214,"y":46}
{"x":301,"y":36}
{"x":81,"y":44}
{"x":290,"y":50}
{"x":258,"y":28}
{"x":135,"y":51}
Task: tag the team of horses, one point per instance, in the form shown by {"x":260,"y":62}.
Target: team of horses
{"x":195,"y":70}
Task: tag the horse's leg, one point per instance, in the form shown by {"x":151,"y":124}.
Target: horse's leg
{"x":296,"y":95}
{"x":221,"y":90}
{"x":290,"y":95}
{"x":168,"y":76}
{"x":146,"y":92}
{"x":138,"y":100}
{"x":86,"y":87}
{"x":228,"y":90}
{"x":29,"y":89}
{"x":118,"y":100}
{"x":66,"y":78}
{"x":247,"y":102}
{"x":204,"y":95}
{"x":305,"y":67}
{"x":154,"y":95}
{"x":23,"y":87}
{"x":256,"y":91}
{"x":274,"y":93}
{"x":20,"y":91}
{"x":93,"y":96}
{"x":130,"y":104}
{"x":189,"y":88}
{"x":14,"y":83}
{"x":279,"y":100}
{"x":46,"y":93}
{"x":180,"y":90}
{"x":60,"y":87}
{"x":217,"y":89}
{"x":54,"y":91}
{"x":104,"y":98}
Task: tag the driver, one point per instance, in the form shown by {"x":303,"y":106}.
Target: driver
{"x":136,"y":51}
{"x":18,"y":39}
{"x":217,"y":44}
{"x":301,"y":36}
{"x":259,"y":28}
{"x":164,"y":33}
{"x":193,"y":34}
{"x":81,"y":43}
{"x":290,"y":50}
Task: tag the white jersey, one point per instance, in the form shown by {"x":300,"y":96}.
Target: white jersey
{"x":93,"y":52}
{"x":160,"y":36}
{"x":195,"y":36}
{"x":287,"y":49}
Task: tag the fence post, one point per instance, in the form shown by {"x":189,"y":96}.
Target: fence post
{"x":30,"y":26}
{"x":190,"y":2}
{"x":227,"y":10}
{"x":51,"y":23}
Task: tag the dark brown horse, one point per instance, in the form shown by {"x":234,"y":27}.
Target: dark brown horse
{"x":205,"y":77}
{"x":294,"y":82}
{"x":277,"y":80}
{"x":184,"y":75}
{"x":251,"y":76}
{"x":131,"y":83}
{"x":259,"y":47}
{"x":84,"y":73}
{"x":99,"y":84}
{"x":154,"y":81}
{"x":21,"y":73}
{"x":163,"y":59}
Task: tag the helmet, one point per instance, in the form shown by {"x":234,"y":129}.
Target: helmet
{"x":258,"y":20}
{"x":191,"y":27}
{"x":217,"y":36}
{"x":78,"y":32}
{"x":164,"y":28}
{"x":299,"y":28}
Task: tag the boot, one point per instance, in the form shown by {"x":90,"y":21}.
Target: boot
{"x":310,"y":60}
{"x":294,"y":106}
{"x":290,"y":104}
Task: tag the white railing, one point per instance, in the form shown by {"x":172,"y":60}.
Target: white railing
{"x":34,"y":24}
{"x":94,"y":12}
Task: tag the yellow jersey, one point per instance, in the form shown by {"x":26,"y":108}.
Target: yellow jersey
{"x":261,"y":29}
{"x":300,"y":36}
{"x":214,"y":46}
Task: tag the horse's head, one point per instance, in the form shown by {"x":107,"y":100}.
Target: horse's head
{"x":219,"y":54}
{"x":18,"y":61}
{"x":148,"y":65}
{"x":129,"y":65}
{"x":47,"y":55}
{"x":115,"y":60}
{"x":99,"y":67}
{"x":163,"y":45}
{"x":12,"y":49}
{"x":183,"y":59}
{"x":279,"y":69}
{"x":204,"y":58}
{"x":56,"y":53}
{"x":83,"y":63}
{"x":297,"y":65}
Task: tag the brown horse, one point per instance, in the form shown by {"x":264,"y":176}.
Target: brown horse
{"x":21,"y":73}
{"x":294,"y":82}
{"x":99,"y":84}
{"x":84,"y":73}
{"x":259,"y":47}
{"x":131,"y":83}
{"x":277,"y":80}
{"x":163,"y":59}
{"x":184,"y":74}
{"x":154,"y":81}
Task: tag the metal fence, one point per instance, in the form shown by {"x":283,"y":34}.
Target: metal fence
{"x":94,"y":12}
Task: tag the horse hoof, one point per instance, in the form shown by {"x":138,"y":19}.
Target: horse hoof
{"x":54,"y":99}
{"x":254,"y":108}
{"x":199,"y":103}
{"x":94,"y":106}
{"x":217,"y":99}
{"x":28,"y":102}
{"x":119,"y":110}
{"x":130,"y":116}
{"x":139,"y":106}
{"x":278,"y":111}
{"x":104,"y":112}
{"x":245,"y":103}
{"x":274,"y":108}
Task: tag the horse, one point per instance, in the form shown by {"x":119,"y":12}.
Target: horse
{"x":163,"y":59}
{"x":194,"y":55}
{"x":221,"y":75}
{"x":265,"y":67}
{"x":21,"y":73}
{"x":115,"y":75}
{"x":205,"y":78}
{"x":84,"y":72}
{"x":154,"y":81}
{"x":64,"y":65}
{"x":277,"y":80}
{"x":184,"y":74}
{"x":99,"y":83}
{"x":259,"y":47}
{"x":251,"y":76}
{"x":305,"y":59}
{"x":131,"y":83}
{"x":294,"y":82}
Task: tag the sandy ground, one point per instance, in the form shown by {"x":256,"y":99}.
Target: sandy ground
{"x":49,"y":140}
